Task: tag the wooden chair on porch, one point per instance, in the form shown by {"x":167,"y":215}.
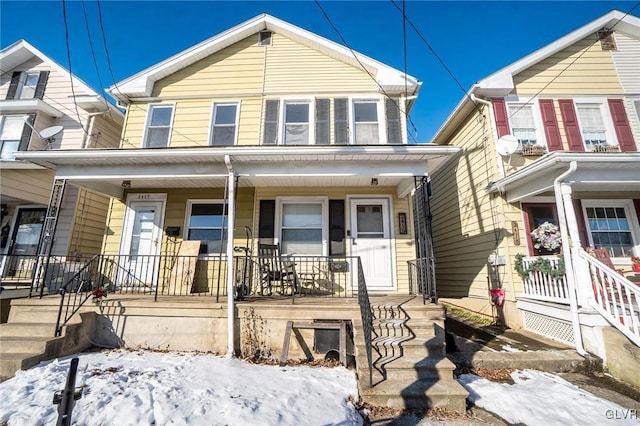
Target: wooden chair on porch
{"x":274,"y":268}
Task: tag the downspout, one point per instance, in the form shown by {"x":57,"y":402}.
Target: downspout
{"x":568,"y":261}
{"x":231,"y":219}
{"x":86,"y":138}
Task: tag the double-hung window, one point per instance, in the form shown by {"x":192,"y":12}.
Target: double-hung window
{"x":303,"y":226}
{"x":522,"y":123}
{"x":207,"y":222}
{"x":224,"y":124}
{"x":296,"y":123}
{"x":158,"y":126}
{"x":592,"y":125}
{"x":29,"y":84}
{"x":366,"y":127}
{"x":612,"y":224}
{"x":10,"y":133}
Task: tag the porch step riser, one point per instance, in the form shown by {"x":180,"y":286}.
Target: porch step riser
{"x":24,"y":345}
{"x":27,"y":329}
{"x":11,"y":363}
{"x":420,"y":402}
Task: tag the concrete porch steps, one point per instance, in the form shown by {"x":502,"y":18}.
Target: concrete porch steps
{"x":410,"y":368}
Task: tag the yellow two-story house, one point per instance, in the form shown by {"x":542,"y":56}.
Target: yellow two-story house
{"x":549,"y":172}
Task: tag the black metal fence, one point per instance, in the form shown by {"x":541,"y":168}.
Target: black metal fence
{"x":367,"y":318}
{"x":422,"y":278}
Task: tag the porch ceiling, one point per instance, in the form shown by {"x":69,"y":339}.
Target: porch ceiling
{"x":200,"y":167}
{"x":619,"y":172}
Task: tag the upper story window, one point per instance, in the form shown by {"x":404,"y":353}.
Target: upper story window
{"x":366,"y":126}
{"x":224,"y":124}
{"x":11,"y":128}
{"x":206,"y":222}
{"x":522,"y":122}
{"x":592,"y":125}
{"x":158,"y":126}
{"x":296,"y":123}
{"x":29,"y":84}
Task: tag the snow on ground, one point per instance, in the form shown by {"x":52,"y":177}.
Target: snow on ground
{"x":144,"y":388}
{"x":544,"y":399}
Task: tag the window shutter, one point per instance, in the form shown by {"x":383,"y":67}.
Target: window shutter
{"x":13,"y":86}
{"x":394,"y":131}
{"x":621,"y":124}
{"x":336,"y":228}
{"x":272,"y":108}
{"x":42,"y":83}
{"x":636,"y":205}
{"x":582,"y":229}
{"x":500,"y":114}
{"x":26,"y":134}
{"x":550,"y":123}
{"x":341,"y":121}
{"x":322,"y":121}
{"x":571,"y":128}
{"x":266,"y":224}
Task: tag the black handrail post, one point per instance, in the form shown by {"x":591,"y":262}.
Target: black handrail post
{"x":367,"y":317}
{"x":66,"y":399}
{"x":58,"y":328}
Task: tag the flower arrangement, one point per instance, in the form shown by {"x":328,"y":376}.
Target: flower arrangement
{"x":98,"y":294}
{"x":635,"y":263}
{"x":547,"y":237}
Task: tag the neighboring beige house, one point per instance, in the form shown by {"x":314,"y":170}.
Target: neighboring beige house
{"x":37,"y":113}
{"x":550,"y":138}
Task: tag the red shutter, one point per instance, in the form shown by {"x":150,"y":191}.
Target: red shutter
{"x":620,"y":122}
{"x":571,"y":128}
{"x":582,"y":227}
{"x":636,"y":204}
{"x":550,"y":123}
{"x":500,"y":114}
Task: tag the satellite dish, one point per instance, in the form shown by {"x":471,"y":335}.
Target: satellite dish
{"x":507,"y":145}
{"x":50,"y":132}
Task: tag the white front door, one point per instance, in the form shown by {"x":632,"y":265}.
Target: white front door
{"x":371,"y":240}
{"x":140,"y":247}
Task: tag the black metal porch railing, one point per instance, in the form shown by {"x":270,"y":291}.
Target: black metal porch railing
{"x":422,"y":278}
{"x":367,"y":318}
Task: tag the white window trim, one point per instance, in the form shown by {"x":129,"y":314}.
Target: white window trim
{"x":312,"y":113}
{"x":212,"y":115}
{"x":23,"y":81}
{"x":382,"y":117}
{"x":307,"y":200}
{"x":632,"y":218}
{"x":610,"y":133}
{"x":541,"y":140}
{"x":3,"y":119}
{"x":187,"y":216}
{"x":148,"y":121}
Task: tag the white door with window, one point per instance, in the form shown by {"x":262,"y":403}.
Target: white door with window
{"x":371,"y":240}
{"x":140,"y":246}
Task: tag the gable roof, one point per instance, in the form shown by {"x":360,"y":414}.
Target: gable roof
{"x":141,"y":84}
{"x":501,"y":82}
{"x":21,"y":51}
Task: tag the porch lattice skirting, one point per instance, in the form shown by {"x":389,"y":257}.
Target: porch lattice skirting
{"x":552,"y":328}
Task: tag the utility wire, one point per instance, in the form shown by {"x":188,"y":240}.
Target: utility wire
{"x":66,"y":39}
{"x":344,"y":42}
{"x":404,"y":45}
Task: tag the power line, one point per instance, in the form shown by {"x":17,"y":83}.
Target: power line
{"x":362,"y":65}
{"x":66,"y":39}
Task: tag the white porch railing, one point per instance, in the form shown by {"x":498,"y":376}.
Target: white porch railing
{"x":616,"y":298}
{"x":541,"y":286}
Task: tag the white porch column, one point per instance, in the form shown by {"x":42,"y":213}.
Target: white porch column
{"x":580,"y":268}
{"x":231,"y":223}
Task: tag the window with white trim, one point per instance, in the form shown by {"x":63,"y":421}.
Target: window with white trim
{"x":224,"y":123}
{"x":636,"y":104}
{"x":366,"y":122}
{"x":11,"y":127}
{"x":29,"y":82}
{"x":612,"y":224}
{"x":523,"y":125}
{"x":158,"y":126}
{"x":303,"y":226}
{"x":206,"y":221}
{"x":296,"y":123}
{"x":592,"y":125}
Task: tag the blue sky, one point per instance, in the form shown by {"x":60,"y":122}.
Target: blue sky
{"x":474,"y":39}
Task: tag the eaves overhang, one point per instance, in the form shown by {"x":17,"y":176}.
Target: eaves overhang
{"x":26,"y":106}
{"x":596,"y":172}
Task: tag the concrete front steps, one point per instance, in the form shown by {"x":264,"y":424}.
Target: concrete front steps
{"x":29,"y":335}
{"x":410,"y":369}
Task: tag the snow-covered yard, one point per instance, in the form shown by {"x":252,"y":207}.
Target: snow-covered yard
{"x":150,"y":388}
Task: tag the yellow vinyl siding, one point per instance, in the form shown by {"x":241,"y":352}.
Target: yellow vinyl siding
{"x":581,"y":69}
{"x":89,"y":223}
{"x":294,"y":68}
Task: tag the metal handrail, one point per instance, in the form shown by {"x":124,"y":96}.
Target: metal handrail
{"x":367,"y":318}
{"x":422,"y":278}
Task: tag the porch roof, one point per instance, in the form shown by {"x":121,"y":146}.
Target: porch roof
{"x":596,"y":172}
{"x":104,"y":170}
